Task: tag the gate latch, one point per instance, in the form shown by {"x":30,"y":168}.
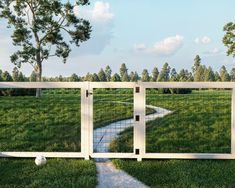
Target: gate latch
{"x":88,"y":93}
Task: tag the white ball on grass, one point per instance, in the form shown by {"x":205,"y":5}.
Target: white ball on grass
{"x":40,"y":160}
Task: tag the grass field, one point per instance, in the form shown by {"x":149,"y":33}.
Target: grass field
{"x":58,"y":173}
{"x":200,"y":122}
{"x":181,"y":173}
{"x":53,"y":122}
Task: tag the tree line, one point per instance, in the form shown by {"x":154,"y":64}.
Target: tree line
{"x":199,"y":73}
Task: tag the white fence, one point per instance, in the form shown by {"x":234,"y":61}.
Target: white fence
{"x":139,"y":145}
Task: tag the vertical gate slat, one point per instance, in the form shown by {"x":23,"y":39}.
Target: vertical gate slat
{"x":139,"y":123}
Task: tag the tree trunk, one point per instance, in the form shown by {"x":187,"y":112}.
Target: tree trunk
{"x":39,"y":79}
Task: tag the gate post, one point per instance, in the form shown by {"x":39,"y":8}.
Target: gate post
{"x":85,"y":126}
{"x":139,"y":121}
{"x":233,"y":125}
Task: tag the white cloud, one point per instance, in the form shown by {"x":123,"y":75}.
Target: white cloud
{"x":203,"y":40}
{"x":100,"y":13}
{"x":101,"y":19}
{"x":215,"y":51}
{"x":167,"y":47}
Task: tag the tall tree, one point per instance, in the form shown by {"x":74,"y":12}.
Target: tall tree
{"x":60,"y":78}
{"x":95,"y":78}
{"x":174,"y":75}
{"x":40,"y":27}
{"x":102,"y":76}
{"x":125,"y":77}
{"x":196,"y":65}
{"x":183,"y":77}
{"x":33,"y":77}
{"x":232,"y":74}
{"x":116,"y":78}
{"x":124,"y":72}
{"x":209,"y":74}
{"x":74,"y":78}
{"x":155,"y":74}
{"x":134,"y":77}
{"x":15,"y":74}
{"x":229,"y":38}
{"x":199,"y":74}
{"x":217,"y":77}
{"x":165,"y":73}
{"x":1,"y":79}
{"x":145,"y":76}
{"x":224,"y":75}
{"x":88,"y":77}
{"x":108,"y":73}
{"x":21,"y":77}
{"x":7,"y":77}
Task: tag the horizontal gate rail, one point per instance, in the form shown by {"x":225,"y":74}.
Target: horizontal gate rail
{"x":45,"y":154}
{"x":139,"y":126}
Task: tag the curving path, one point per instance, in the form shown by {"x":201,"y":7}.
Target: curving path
{"x":102,"y":137}
{"x":108,"y":175}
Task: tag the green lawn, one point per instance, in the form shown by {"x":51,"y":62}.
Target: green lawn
{"x":181,"y":173}
{"x":200,"y":122}
{"x":52,"y":123}
{"x":57,"y":173}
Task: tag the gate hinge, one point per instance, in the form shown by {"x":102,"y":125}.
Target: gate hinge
{"x":88,"y":93}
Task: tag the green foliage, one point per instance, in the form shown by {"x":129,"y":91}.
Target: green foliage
{"x":102,"y":76}
{"x":155,"y":74}
{"x":1,"y":78}
{"x":165,"y":73}
{"x":181,"y":173}
{"x":57,"y":173}
{"x":217,"y":77}
{"x":209,"y":75}
{"x":145,"y":76}
{"x":200,"y":74}
{"x":116,"y":78}
{"x":124,"y":73}
{"x":39,"y":27}
{"x":196,"y":65}
{"x":229,"y":38}
{"x":134,"y":77}
{"x":224,"y":75}
{"x":7,"y":77}
{"x":232,"y":75}
{"x":88,"y":77}
{"x":95,"y":78}
{"x":74,"y":78}
{"x":174,"y":75}
{"x":108,"y":73}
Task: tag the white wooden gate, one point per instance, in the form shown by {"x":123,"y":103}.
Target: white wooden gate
{"x":139,"y":93}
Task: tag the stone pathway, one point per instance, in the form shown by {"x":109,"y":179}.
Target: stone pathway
{"x":102,"y":137}
{"x":108,"y":175}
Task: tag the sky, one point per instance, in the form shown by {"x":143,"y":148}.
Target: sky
{"x":141,"y":34}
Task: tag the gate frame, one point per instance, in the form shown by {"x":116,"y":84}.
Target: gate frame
{"x":139,"y":126}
